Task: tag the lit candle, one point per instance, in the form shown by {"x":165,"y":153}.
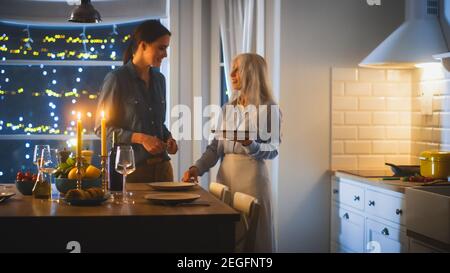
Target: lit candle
{"x":103,"y":134}
{"x":79,"y":135}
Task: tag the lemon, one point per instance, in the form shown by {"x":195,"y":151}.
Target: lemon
{"x":92,"y":172}
{"x":73,"y":173}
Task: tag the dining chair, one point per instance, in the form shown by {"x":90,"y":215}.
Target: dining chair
{"x":249,"y":208}
{"x":220,"y":191}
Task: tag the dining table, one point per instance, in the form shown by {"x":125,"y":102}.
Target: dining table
{"x":206,"y":225}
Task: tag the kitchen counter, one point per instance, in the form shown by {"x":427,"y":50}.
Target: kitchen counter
{"x":47,"y":226}
{"x":375,"y":178}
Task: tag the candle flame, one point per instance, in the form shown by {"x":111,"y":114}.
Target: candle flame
{"x":79,"y":115}
{"x":103,"y":114}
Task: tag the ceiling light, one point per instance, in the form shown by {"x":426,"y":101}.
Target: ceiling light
{"x":85,"y":13}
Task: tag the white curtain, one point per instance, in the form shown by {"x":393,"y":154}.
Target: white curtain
{"x":237,"y":29}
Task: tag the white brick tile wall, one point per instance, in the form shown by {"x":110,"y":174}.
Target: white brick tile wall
{"x":338,"y":118}
{"x":386,"y":89}
{"x":358,"y":89}
{"x":404,"y":118}
{"x":438,"y":103}
{"x":385,"y":118}
{"x":441,"y":135}
{"x":426,"y":134}
{"x":358,"y":118}
{"x":385,"y":147}
{"x":444,"y":119}
{"x":373,"y":103}
{"x":398,"y":159}
{"x":398,"y":104}
{"x":345,"y":103}
{"x":428,"y":120}
{"x":377,"y":116}
{"x":444,"y":147}
{"x":416,"y":118}
{"x":404,"y":147}
{"x":398,"y":132}
{"x":416,"y":104}
{"x":371,"y":132}
{"x":337,"y":88}
{"x":338,"y":147}
{"x":371,"y":162}
{"x":358,"y":147}
{"x":347,"y":132}
{"x":345,"y":74}
{"x":399,"y":75}
{"x":344,"y":162}
{"x":372,"y":75}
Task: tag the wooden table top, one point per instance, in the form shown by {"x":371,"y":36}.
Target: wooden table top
{"x":26,"y":206}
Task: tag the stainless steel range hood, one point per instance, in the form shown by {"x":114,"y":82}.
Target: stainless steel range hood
{"x":415,"y":42}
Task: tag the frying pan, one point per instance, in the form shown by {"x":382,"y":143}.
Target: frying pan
{"x":404,"y":170}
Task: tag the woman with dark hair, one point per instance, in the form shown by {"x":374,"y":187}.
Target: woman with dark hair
{"x":134,"y":100}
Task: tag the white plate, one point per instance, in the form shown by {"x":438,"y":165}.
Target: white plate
{"x":172,"y":186}
{"x":171,"y":198}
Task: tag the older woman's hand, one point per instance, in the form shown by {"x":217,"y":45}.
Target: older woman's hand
{"x":191,"y":175}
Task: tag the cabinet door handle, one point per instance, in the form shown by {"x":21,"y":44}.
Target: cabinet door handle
{"x":398,"y":211}
{"x":385,"y":232}
{"x":346,"y":216}
{"x":335,"y":191}
{"x":356,"y":198}
{"x":371,"y":203}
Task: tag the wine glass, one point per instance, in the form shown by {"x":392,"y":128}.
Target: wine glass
{"x":50,"y":162}
{"x":37,"y":156}
{"x":125,"y":165}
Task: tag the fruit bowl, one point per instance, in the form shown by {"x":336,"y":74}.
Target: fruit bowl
{"x":64,"y":184}
{"x":25,"y":187}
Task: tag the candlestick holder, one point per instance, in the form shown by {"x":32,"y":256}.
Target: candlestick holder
{"x":78,"y":165}
{"x":104,"y":172}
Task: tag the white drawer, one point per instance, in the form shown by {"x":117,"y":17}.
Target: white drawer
{"x":347,"y":229}
{"x":337,"y":248}
{"x":348,"y":194}
{"x":382,"y":238}
{"x":385,"y":206}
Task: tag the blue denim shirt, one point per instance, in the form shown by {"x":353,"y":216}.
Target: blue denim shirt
{"x":130,"y":107}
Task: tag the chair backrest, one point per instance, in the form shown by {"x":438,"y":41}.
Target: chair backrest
{"x":220,"y":191}
{"x":249,"y":207}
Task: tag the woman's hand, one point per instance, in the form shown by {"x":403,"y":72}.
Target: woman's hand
{"x":191,"y":175}
{"x":172,"y":146}
{"x":152,"y":144}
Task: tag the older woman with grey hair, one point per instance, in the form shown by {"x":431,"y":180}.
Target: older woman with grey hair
{"x":243,"y":167}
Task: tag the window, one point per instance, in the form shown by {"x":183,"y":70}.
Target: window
{"x":47,"y":74}
{"x":223,"y":83}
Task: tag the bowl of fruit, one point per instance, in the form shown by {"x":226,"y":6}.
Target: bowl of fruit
{"x":66,"y":176}
{"x":25,"y":182}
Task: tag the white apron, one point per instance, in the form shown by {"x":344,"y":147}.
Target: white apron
{"x":242,"y":173}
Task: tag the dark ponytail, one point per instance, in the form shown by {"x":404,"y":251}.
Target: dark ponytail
{"x":148,"y":31}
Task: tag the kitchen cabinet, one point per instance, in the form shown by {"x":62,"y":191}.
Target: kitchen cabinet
{"x":385,"y":238}
{"x":365,"y":218}
{"x":347,"y":230}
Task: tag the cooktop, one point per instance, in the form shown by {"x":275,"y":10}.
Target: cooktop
{"x":370,"y":173}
